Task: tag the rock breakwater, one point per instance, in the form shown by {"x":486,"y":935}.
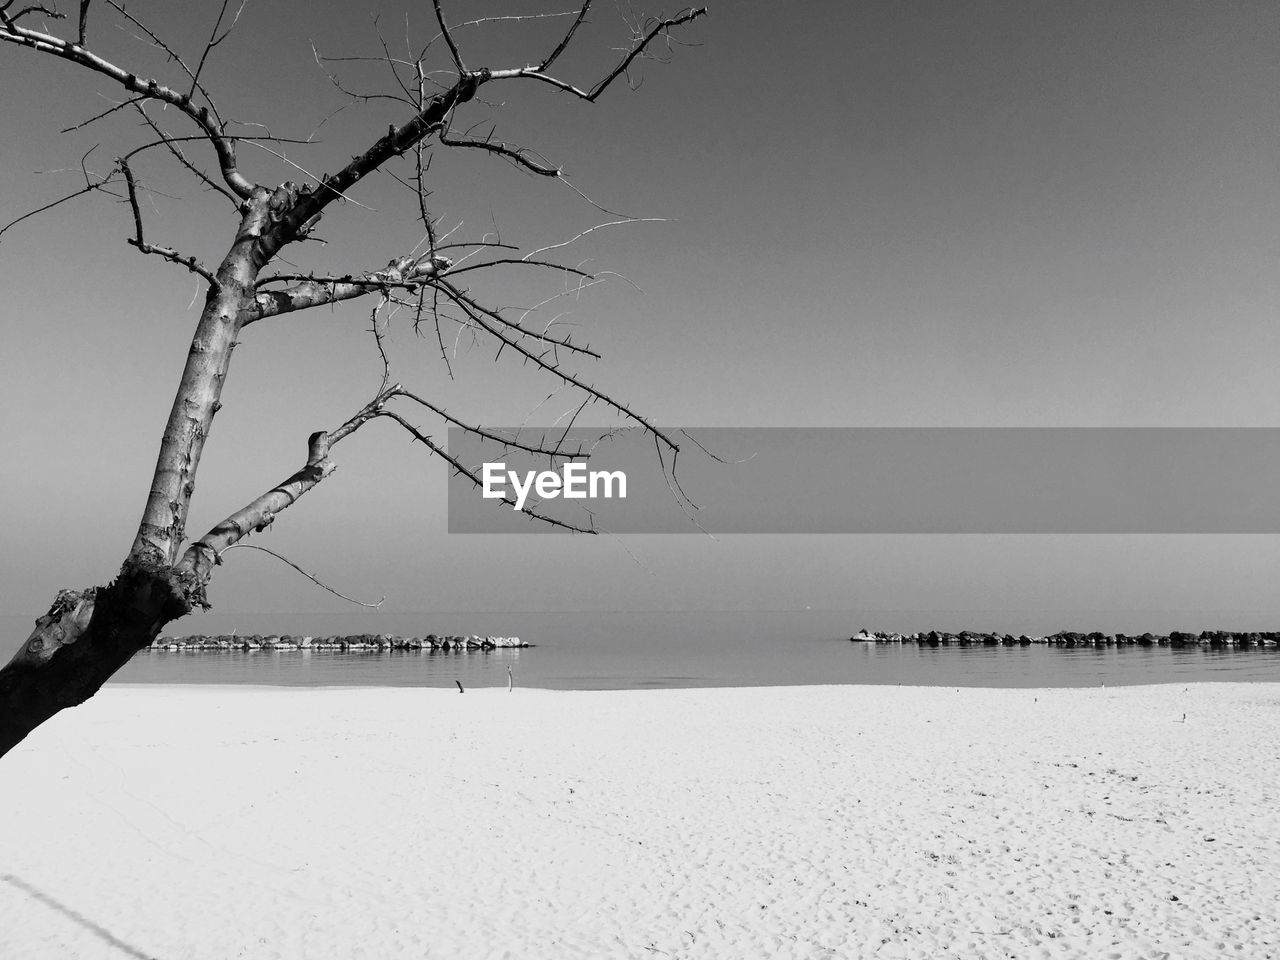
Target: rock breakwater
{"x":359,"y":642}
{"x":1210,"y":639}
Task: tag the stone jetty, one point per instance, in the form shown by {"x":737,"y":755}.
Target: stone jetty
{"x":359,"y":642}
{"x":1209,"y":639}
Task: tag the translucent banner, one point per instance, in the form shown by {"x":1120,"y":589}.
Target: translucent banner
{"x":870,"y":480}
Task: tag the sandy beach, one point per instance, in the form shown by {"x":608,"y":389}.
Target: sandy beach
{"x":183,"y":823}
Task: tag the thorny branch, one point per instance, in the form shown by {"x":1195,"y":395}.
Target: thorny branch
{"x":404,"y":273}
{"x":314,"y":579}
{"x":639,"y":47}
{"x":553,"y":452}
{"x":214,"y":39}
{"x":202,"y":555}
{"x":429,"y":277}
{"x":105,"y":113}
{"x":223,"y":144}
{"x":140,"y":242}
{"x":88,"y":635}
{"x":520,"y":156}
{"x":554,"y":55}
{"x":169,"y":52}
{"x":90,"y":185}
{"x":448,"y":38}
{"x":460,"y":468}
{"x":172,"y":146}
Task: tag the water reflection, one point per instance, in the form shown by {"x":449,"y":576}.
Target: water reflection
{"x":313,"y":668}
{"x":1040,"y":665}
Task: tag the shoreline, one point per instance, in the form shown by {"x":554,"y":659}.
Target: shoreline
{"x":804,"y":821}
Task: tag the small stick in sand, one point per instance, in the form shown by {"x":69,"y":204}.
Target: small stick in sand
{"x":510,"y":680}
{"x":459,"y":683}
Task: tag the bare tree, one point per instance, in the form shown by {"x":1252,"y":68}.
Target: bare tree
{"x":88,"y":634}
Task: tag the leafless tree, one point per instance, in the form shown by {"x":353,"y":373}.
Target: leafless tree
{"x":88,"y":634}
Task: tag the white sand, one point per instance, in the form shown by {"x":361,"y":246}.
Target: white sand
{"x":198,"y":822}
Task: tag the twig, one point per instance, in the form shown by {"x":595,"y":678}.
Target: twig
{"x":213,"y":41}
{"x":140,"y":242}
{"x":313,"y":579}
{"x":564,"y":42}
{"x":182,"y":158}
{"x":470,"y":474}
{"x":532,"y":263}
{"x":209,"y":124}
{"x":516,"y":155}
{"x":639,"y":46}
{"x":155,"y":39}
{"x":87,"y":188}
{"x":448,"y":38}
{"x":105,"y":113}
{"x":553,"y":451}
{"x":589,"y":230}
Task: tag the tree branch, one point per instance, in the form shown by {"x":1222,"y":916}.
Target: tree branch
{"x":638,"y":47}
{"x":88,"y":187}
{"x":314,"y":579}
{"x":448,"y":38}
{"x":405,"y":273}
{"x":434,"y":114}
{"x":105,"y":113}
{"x":564,"y":42}
{"x":465,"y":471}
{"x":169,"y":51}
{"x":524,"y":261}
{"x":140,"y":242}
{"x":553,"y":452}
{"x":553,"y":367}
{"x":214,"y":40}
{"x":223,"y":145}
{"x":37,"y":8}
{"x":181,"y":157}
{"x":517,"y":155}
{"x":397,"y":141}
{"x":472,"y":307}
{"x":200,"y":557}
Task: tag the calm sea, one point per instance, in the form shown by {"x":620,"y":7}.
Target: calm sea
{"x":605,"y":651}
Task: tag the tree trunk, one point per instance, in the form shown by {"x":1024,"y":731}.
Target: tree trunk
{"x":88,"y":635}
{"x":230,"y":300}
{"x":84,"y":638}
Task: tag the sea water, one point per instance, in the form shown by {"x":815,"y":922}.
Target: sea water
{"x":611,"y":650}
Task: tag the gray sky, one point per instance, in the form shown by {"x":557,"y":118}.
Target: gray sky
{"x":884,"y":214}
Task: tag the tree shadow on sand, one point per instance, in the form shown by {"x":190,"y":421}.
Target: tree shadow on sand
{"x":101,"y":932}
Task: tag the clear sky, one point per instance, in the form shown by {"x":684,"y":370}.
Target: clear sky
{"x":1000,"y":213}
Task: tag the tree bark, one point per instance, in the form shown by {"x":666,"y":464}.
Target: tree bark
{"x":229,"y":302}
{"x":86,"y":636}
